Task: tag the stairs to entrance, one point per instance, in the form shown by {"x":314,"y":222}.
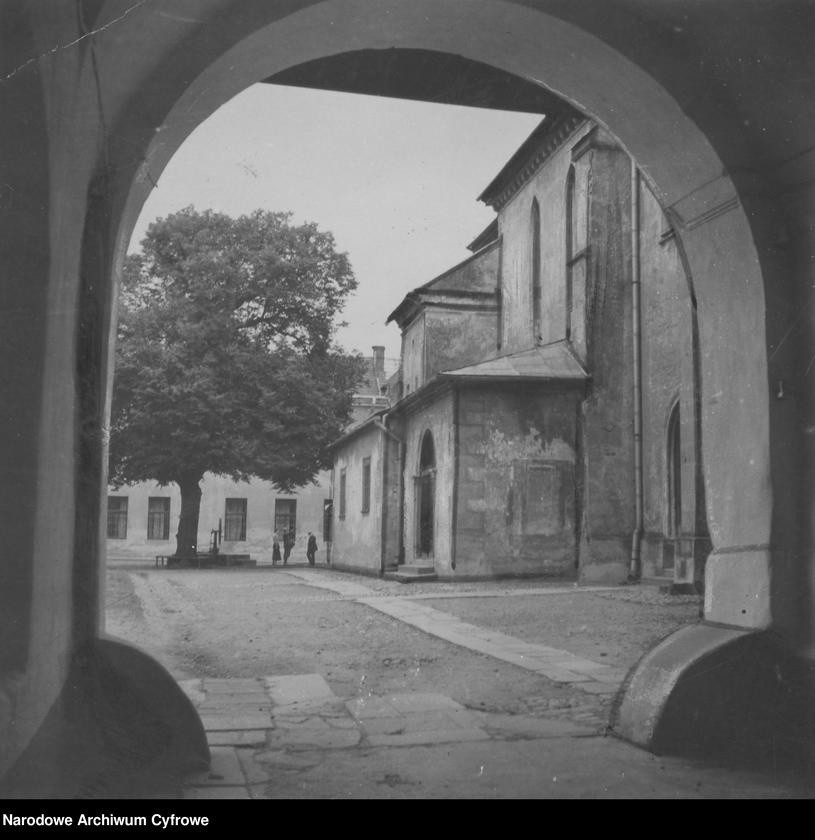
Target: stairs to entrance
{"x":412,"y":573}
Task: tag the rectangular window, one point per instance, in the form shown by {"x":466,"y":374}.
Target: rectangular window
{"x":158,"y":518}
{"x":235,"y":520}
{"x":117,"y":517}
{"x":342,"y":493}
{"x":285,"y":515}
{"x":366,"y":485}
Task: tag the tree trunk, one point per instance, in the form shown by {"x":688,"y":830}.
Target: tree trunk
{"x":187,"y":535}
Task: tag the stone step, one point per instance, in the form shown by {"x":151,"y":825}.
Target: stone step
{"x":411,"y":573}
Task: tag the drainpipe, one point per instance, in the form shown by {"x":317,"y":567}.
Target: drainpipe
{"x":382,"y":426}
{"x":635,"y":569}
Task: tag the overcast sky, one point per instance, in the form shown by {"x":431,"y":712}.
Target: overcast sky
{"x":396,"y":182}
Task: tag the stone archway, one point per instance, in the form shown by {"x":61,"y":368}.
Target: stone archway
{"x":675,"y":156}
{"x":159,"y":80}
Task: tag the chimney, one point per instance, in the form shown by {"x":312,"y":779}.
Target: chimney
{"x":379,"y":361}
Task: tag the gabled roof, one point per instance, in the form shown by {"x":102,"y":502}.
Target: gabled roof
{"x":466,"y":280}
{"x":530,"y":156}
{"x":486,"y":237}
{"x":550,"y":362}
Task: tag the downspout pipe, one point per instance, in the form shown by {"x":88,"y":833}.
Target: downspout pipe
{"x":635,"y":568}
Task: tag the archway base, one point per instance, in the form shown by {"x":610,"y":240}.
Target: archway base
{"x":724,"y":694}
{"x":122,"y":727}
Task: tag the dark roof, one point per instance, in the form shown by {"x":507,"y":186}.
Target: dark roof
{"x":463,"y":279}
{"x":547,"y":137}
{"x":486,"y":237}
{"x":553,"y":362}
{"x":356,"y":428}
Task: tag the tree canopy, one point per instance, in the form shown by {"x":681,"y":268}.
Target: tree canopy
{"x":226,"y":361}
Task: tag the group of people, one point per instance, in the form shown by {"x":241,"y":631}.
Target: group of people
{"x":288,"y":540}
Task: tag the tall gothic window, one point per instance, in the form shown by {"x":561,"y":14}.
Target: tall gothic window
{"x":674,"y":474}
{"x":569,"y":248}
{"x":535,"y":222}
{"x":577,"y":256}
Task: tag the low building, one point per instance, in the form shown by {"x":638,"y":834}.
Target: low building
{"x":142,"y":518}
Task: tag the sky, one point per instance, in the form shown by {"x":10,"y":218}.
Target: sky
{"x":395,"y":182}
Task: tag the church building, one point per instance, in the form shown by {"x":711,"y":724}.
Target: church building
{"x":545,"y":421}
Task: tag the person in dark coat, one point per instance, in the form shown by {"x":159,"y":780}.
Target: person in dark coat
{"x":311,"y":548}
{"x":275,"y":548}
{"x":288,"y":544}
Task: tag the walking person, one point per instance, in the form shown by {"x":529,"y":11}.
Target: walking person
{"x":275,"y":548}
{"x":311,"y":548}
{"x":288,"y":544}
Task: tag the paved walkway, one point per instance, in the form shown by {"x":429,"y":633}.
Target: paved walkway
{"x":557,"y":665}
{"x":292,"y":737}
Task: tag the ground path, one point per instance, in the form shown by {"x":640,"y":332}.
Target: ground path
{"x":313,"y":683}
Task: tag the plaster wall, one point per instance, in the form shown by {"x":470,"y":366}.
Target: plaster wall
{"x":437,"y":418}
{"x":413,"y":355}
{"x":516,"y":507}
{"x":260,"y":511}
{"x":457,"y":338}
{"x":607,"y":424}
{"x":357,"y":537}
{"x":667,"y":375}
{"x":548,"y":186}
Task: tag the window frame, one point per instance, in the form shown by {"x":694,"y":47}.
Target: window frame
{"x":366,"y":485}
{"x":230,"y":516}
{"x":121,"y":515}
{"x":165,"y":517}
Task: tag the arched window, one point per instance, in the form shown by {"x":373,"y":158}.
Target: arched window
{"x":674,"y":474}
{"x":535,"y":223}
{"x":425,"y":497}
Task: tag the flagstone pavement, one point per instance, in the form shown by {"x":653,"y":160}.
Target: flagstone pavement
{"x":292,"y":737}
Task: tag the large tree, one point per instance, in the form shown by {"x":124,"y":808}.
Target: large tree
{"x":225,"y":359}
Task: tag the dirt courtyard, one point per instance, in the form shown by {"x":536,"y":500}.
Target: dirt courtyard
{"x":263,"y":621}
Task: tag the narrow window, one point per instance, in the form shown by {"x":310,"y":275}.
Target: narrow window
{"x":117,"y":517}
{"x":535,"y":221}
{"x":285,"y":515}
{"x":576,"y":269}
{"x":158,"y":518}
{"x":235,"y":520}
{"x":342,"y":493}
{"x":569,"y":248}
{"x":426,"y":497}
{"x":674,"y":471}
{"x":366,"y":485}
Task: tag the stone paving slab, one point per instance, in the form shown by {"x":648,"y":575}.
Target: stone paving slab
{"x":232,"y":686}
{"x":230,"y":721}
{"x":299,"y":692}
{"x":420,"y":722}
{"x":225,"y":770}
{"x":237,"y":738}
{"x":423,"y":702}
{"x":371,"y":707}
{"x":215,"y":793}
{"x":529,"y":727}
{"x":454,"y":735}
